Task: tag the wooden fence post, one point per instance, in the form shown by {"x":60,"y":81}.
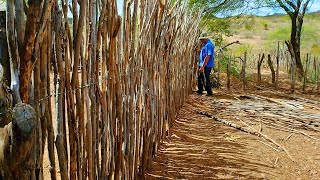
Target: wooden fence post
{"x":260,"y":61}
{"x":293,"y":75}
{"x":244,"y":71}
{"x":4,"y":53}
{"x":315,"y":69}
{"x":318,"y":74}
{"x":19,"y":161}
{"x":287,"y":63}
{"x":277,"y":70}
{"x":229,"y":72}
{"x":305,"y":74}
{"x":219,"y":69}
{"x":273,"y":73}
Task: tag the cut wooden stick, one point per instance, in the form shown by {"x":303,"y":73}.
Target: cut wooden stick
{"x":276,"y":161}
{"x":270,"y":146}
{"x":287,"y":138}
{"x":253,"y":132}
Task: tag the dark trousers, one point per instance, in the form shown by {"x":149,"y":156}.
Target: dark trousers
{"x":204,"y":80}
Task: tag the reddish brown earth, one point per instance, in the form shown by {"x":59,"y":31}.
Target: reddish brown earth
{"x":201,"y":148}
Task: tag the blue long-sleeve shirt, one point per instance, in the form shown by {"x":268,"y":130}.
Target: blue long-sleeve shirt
{"x":207,"y":49}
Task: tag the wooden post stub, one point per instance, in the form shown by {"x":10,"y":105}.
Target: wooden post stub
{"x":24,"y":118}
{"x":19,"y":160}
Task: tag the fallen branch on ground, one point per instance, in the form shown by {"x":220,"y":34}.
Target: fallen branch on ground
{"x":253,"y":132}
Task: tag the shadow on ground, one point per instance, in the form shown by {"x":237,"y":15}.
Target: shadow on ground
{"x":200,"y":148}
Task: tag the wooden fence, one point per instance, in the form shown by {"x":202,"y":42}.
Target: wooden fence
{"x":276,"y":61}
{"x":105,"y":89}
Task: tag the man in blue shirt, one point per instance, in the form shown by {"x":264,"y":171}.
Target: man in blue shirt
{"x":206,"y":64}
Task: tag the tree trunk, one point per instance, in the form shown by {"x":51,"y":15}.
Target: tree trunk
{"x":295,"y":42}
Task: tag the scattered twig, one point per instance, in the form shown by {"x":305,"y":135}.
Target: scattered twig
{"x":287,"y":138}
{"x":268,"y":138}
{"x":237,"y":98}
{"x":255,"y":132}
{"x":276,"y":161}
{"x":270,"y":146}
{"x":287,"y":129}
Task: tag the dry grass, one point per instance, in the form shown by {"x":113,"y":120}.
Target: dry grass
{"x":266,"y":31}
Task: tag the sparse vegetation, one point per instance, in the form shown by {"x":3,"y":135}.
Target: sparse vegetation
{"x":270,"y":29}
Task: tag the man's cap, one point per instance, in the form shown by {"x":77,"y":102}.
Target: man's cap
{"x":203,"y":36}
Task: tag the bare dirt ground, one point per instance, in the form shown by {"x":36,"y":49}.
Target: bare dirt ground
{"x":202,"y":148}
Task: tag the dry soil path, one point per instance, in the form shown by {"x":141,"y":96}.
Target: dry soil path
{"x":201,"y":148}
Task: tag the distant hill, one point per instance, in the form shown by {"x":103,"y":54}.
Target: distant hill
{"x":263,"y":32}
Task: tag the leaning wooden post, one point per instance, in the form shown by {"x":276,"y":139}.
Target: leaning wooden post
{"x":305,"y":74}
{"x":277,"y":71}
{"x":260,"y":61}
{"x":273,"y":73}
{"x":228,"y":72}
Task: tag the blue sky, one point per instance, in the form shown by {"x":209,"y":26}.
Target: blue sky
{"x":315,"y":6}
{"x":264,"y":11}
{"x":268,"y":11}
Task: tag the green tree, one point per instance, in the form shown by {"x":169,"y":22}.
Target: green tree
{"x":216,"y":16}
{"x":296,"y":10}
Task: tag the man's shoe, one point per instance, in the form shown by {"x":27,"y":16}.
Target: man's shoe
{"x":209,"y":95}
{"x":199,"y":92}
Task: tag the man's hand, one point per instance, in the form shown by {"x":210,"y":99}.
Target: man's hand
{"x":201,"y":69}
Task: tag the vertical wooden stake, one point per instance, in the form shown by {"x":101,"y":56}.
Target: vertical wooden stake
{"x":273,"y":73}
{"x":244,"y":71}
{"x":293,"y":75}
{"x":260,"y":61}
{"x":218,"y":78}
{"x":277,"y":70}
{"x":229,"y":72}
{"x":305,"y":74}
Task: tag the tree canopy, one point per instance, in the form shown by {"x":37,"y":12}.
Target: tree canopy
{"x":295,"y":9}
